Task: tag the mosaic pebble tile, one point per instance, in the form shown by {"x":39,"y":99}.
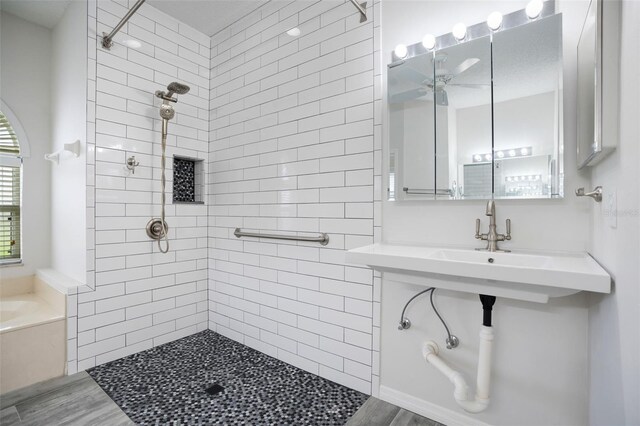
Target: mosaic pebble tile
{"x":184,"y":180}
{"x":167,"y":385}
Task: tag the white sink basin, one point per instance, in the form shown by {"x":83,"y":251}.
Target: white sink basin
{"x":502,"y":259}
{"x":532,"y":276}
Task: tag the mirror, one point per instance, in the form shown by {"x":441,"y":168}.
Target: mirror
{"x":527,"y":109}
{"x":480,"y":118}
{"x":598,"y":54}
{"x":463,"y":107}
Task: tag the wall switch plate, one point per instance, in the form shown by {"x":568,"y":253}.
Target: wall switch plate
{"x":611,"y":208}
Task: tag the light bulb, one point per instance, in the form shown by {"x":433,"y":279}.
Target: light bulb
{"x":512,"y":153}
{"x":294,"y":32}
{"x":534,"y":8}
{"x":459,"y":31}
{"x":494,"y":20}
{"x":524,"y":151}
{"x":401,"y":51}
{"x":487,"y":157}
{"x":429,"y":41}
{"x":477,"y":157}
{"x":500,"y":154}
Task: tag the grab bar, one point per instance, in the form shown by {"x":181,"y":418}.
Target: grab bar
{"x":322,"y":239}
{"x":427,"y":191}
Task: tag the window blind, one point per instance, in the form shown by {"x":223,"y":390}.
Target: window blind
{"x":8,"y":139}
{"x":10,"y":169}
{"x":9,"y":213}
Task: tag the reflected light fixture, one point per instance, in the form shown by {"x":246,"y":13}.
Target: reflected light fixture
{"x":520,"y":152}
{"x":494,"y":20}
{"x":294,"y":32}
{"x":534,"y":8}
{"x":429,"y":41}
{"x":134,"y":44}
{"x":401,"y":51}
{"x":459,"y":31}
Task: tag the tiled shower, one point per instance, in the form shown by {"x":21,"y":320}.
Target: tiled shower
{"x":288,"y":131}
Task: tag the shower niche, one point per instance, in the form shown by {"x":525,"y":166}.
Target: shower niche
{"x":188,"y":180}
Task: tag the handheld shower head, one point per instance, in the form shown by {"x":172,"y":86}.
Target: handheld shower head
{"x":173,"y":88}
{"x":167,"y":112}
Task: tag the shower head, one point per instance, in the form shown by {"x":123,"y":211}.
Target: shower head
{"x":166,"y":111}
{"x":173,"y":88}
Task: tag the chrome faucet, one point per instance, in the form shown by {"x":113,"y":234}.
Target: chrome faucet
{"x":492,"y":237}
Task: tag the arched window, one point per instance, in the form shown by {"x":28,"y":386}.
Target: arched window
{"x":10,"y":176}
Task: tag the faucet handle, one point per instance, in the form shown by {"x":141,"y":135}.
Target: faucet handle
{"x":508,"y":236}
{"x":478,"y":236}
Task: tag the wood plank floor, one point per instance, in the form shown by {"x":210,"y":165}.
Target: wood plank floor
{"x":376,"y":412}
{"x":70,"y":400}
{"x":78,"y":400}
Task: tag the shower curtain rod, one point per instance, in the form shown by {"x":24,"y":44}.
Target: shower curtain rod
{"x":107,"y":40}
{"x":362,"y":8}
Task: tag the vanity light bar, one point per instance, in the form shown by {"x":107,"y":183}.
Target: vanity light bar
{"x":524,"y":178}
{"x":536,"y":9}
{"x":525,"y":151}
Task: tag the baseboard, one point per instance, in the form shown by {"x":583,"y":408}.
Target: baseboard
{"x":428,"y":409}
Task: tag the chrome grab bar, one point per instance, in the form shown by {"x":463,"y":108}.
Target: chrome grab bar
{"x":427,"y":191}
{"x":322,"y":239}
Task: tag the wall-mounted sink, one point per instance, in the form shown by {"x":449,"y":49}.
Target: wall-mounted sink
{"x":532,"y":276}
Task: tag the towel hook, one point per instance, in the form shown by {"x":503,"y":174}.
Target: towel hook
{"x":596,"y":194}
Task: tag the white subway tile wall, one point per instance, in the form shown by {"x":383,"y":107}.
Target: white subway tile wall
{"x":290,"y":131}
{"x":295,"y":149}
{"x":140,"y":297}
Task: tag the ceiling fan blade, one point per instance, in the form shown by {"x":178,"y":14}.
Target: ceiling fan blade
{"x":464,"y":65}
{"x":471,"y":86}
{"x":410,"y":95}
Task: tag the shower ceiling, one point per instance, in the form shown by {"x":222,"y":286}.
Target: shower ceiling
{"x":210,"y":16}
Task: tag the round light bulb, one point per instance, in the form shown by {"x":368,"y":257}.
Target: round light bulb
{"x":429,"y":41}
{"x":512,"y":153}
{"x":459,"y":31}
{"x":294,"y":32}
{"x":401,"y":51}
{"x":524,"y":151}
{"x":494,"y":20}
{"x":534,"y":8}
{"x":477,"y":157}
{"x":487,"y":157}
{"x":500,"y":154}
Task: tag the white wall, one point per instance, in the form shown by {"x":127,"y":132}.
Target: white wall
{"x":25,"y":87}
{"x":292,"y":150}
{"x":68,"y":124}
{"x":142,"y":298}
{"x":613,"y":319}
{"x":525,"y":375}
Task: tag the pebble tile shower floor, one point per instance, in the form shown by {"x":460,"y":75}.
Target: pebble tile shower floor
{"x":168,"y":385}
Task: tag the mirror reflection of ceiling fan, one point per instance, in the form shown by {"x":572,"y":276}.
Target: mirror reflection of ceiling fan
{"x":441,"y":79}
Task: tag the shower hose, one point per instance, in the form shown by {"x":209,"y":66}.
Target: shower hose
{"x":164,"y":184}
